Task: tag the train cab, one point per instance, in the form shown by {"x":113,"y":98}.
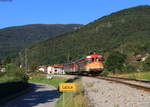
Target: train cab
{"x":94,"y":62}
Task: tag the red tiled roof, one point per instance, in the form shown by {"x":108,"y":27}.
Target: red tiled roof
{"x":56,"y":65}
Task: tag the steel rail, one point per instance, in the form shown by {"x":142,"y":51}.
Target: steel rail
{"x":131,"y":79}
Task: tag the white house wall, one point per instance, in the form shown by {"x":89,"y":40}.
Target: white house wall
{"x":52,"y":70}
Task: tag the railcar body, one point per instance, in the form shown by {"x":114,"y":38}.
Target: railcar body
{"x":91,"y":64}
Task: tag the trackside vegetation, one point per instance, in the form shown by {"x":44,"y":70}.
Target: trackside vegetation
{"x":40,"y":78}
{"x":140,"y":75}
{"x":119,"y":63}
{"x":73,"y":99}
{"x":115,"y":61}
{"x":136,"y":75}
{"x":13,"y":73}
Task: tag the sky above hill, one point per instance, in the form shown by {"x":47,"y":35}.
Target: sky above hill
{"x":21,"y":12}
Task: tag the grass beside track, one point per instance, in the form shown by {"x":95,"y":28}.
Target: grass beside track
{"x":73,"y":99}
{"x":39,"y":78}
{"x":141,"y":75}
{"x":137,"y":75}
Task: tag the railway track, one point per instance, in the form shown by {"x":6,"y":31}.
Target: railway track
{"x":134,"y":83}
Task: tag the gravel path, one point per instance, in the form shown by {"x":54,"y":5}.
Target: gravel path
{"x":40,"y":96}
{"x":103,"y":93}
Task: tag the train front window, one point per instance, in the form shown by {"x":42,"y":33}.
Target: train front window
{"x":97,"y":59}
{"x":92,"y":59}
{"x":88,"y":60}
{"x":101,"y":59}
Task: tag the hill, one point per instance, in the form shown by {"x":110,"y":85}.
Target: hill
{"x":12,"y":39}
{"x":126,"y":31}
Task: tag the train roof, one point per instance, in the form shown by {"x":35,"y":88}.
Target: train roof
{"x":94,"y":56}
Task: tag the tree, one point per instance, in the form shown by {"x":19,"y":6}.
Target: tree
{"x":34,"y":66}
{"x":115,"y":61}
{"x":7,"y":60}
{"x":14,"y":73}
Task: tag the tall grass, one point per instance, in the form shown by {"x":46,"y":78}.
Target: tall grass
{"x":73,"y":99}
{"x":140,"y":75}
{"x":136,"y":75}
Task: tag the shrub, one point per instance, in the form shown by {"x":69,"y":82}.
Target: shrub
{"x":104,"y":73}
{"x":13,"y":73}
{"x":115,"y":61}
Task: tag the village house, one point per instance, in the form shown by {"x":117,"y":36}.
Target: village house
{"x":2,"y":69}
{"x":141,"y":57}
{"x":49,"y":69}
{"x":55,"y":69}
{"x":42,"y":68}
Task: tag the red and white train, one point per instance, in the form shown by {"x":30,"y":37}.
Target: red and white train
{"x":91,"y":64}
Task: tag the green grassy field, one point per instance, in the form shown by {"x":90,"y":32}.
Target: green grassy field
{"x":140,"y":75}
{"x":38,"y":78}
{"x":137,"y":75}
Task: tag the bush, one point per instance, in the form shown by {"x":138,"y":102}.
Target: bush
{"x":115,"y":61}
{"x":13,"y":73}
{"x":104,"y":73}
{"x":129,"y":68}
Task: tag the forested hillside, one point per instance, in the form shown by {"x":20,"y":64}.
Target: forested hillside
{"x":126,"y":31}
{"x":12,"y":39}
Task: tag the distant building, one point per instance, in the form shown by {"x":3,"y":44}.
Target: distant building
{"x":49,"y":69}
{"x":2,"y":70}
{"x":141,"y":57}
{"x":55,"y":69}
{"x":42,"y":69}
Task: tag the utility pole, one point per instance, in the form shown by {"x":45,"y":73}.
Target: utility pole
{"x":21,"y":60}
{"x":121,"y":51}
{"x":26,"y":59}
{"x":68,"y":57}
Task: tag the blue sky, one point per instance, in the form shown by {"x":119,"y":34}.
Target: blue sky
{"x":21,"y":12}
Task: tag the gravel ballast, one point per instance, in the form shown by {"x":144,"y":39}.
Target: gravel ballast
{"x":103,"y":93}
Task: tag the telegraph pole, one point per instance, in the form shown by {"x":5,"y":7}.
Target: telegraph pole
{"x":68,"y":57}
{"x":21,"y":59}
{"x":26,"y":59}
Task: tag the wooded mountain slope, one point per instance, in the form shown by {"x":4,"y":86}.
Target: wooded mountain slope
{"x":12,"y":39}
{"x":127,"y":31}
